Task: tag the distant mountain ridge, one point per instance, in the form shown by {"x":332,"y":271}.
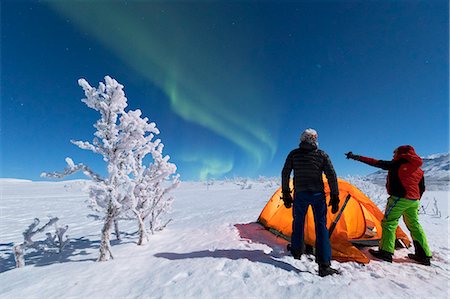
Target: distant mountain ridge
{"x":436,"y":168}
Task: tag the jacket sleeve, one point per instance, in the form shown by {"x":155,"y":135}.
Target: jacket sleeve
{"x":286,"y":174}
{"x":386,"y":165}
{"x":330,"y":174}
{"x":422,"y":186}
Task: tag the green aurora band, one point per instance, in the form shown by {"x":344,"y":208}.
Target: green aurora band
{"x":210,"y":166}
{"x":207,"y":82}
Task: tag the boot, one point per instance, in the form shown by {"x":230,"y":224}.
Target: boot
{"x":309,"y":249}
{"x":421,"y":260}
{"x":296,"y":253}
{"x":325,"y":270}
{"x":419,"y":250}
{"x":420,"y":255}
{"x":382,"y":255}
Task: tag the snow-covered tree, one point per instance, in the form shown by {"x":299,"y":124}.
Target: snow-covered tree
{"x":123,"y":139}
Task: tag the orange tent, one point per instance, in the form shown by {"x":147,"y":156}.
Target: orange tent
{"x":358,"y":221}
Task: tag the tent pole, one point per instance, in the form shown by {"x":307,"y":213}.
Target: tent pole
{"x":333,"y":225}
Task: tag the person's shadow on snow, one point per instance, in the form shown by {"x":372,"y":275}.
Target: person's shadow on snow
{"x":251,"y":233}
{"x":256,"y":256}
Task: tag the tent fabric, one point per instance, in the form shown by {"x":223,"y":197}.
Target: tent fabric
{"x":360,"y":222}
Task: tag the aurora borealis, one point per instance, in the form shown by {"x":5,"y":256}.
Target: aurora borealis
{"x":180,"y":55}
{"x":230,"y":84}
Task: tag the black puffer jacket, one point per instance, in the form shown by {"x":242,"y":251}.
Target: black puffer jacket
{"x":308,"y":163}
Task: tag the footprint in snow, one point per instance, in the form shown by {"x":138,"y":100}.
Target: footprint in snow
{"x":376,"y":275}
{"x":403,"y":286}
{"x":178,"y":277}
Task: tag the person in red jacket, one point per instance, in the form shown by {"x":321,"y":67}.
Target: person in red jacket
{"x":405,"y":185}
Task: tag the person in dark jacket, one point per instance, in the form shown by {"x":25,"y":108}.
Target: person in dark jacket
{"x":309,"y":163}
{"x":405,"y":185}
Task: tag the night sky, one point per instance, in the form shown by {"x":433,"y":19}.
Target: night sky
{"x":230,"y":85}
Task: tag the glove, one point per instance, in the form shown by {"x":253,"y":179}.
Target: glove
{"x":334,"y":203}
{"x":350,"y":155}
{"x":287,"y":198}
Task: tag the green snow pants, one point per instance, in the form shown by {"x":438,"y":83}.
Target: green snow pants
{"x":409,"y":209}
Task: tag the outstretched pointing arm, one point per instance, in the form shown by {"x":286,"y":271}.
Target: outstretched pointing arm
{"x":386,"y":165}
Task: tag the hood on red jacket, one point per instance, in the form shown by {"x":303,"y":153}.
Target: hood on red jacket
{"x":407,"y":152}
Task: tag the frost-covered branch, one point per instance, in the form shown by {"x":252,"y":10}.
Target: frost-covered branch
{"x":31,"y":231}
{"x":87,"y":146}
{"x":71,"y":169}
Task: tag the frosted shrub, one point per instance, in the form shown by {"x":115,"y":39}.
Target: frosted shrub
{"x":435,"y":211}
{"x":59,"y":240}
{"x":268,"y":183}
{"x":243,"y":183}
{"x":208,"y":183}
{"x":33,"y":229}
{"x":124,"y":139}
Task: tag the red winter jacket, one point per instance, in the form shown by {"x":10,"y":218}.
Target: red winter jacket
{"x":405,"y":178}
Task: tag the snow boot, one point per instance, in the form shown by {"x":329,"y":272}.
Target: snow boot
{"x":296,"y":253}
{"x":309,"y":249}
{"x":419,"y":255}
{"x":421,"y":260}
{"x":325,"y":270}
{"x":382,"y":255}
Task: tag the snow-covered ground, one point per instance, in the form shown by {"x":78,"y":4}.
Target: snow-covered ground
{"x":211,"y":249}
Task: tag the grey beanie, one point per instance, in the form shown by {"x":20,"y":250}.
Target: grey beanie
{"x":309,"y":136}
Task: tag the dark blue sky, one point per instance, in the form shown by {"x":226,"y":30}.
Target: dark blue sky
{"x":231,"y":85}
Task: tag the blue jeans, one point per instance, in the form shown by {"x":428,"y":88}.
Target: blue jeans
{"x":302,"y":201}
